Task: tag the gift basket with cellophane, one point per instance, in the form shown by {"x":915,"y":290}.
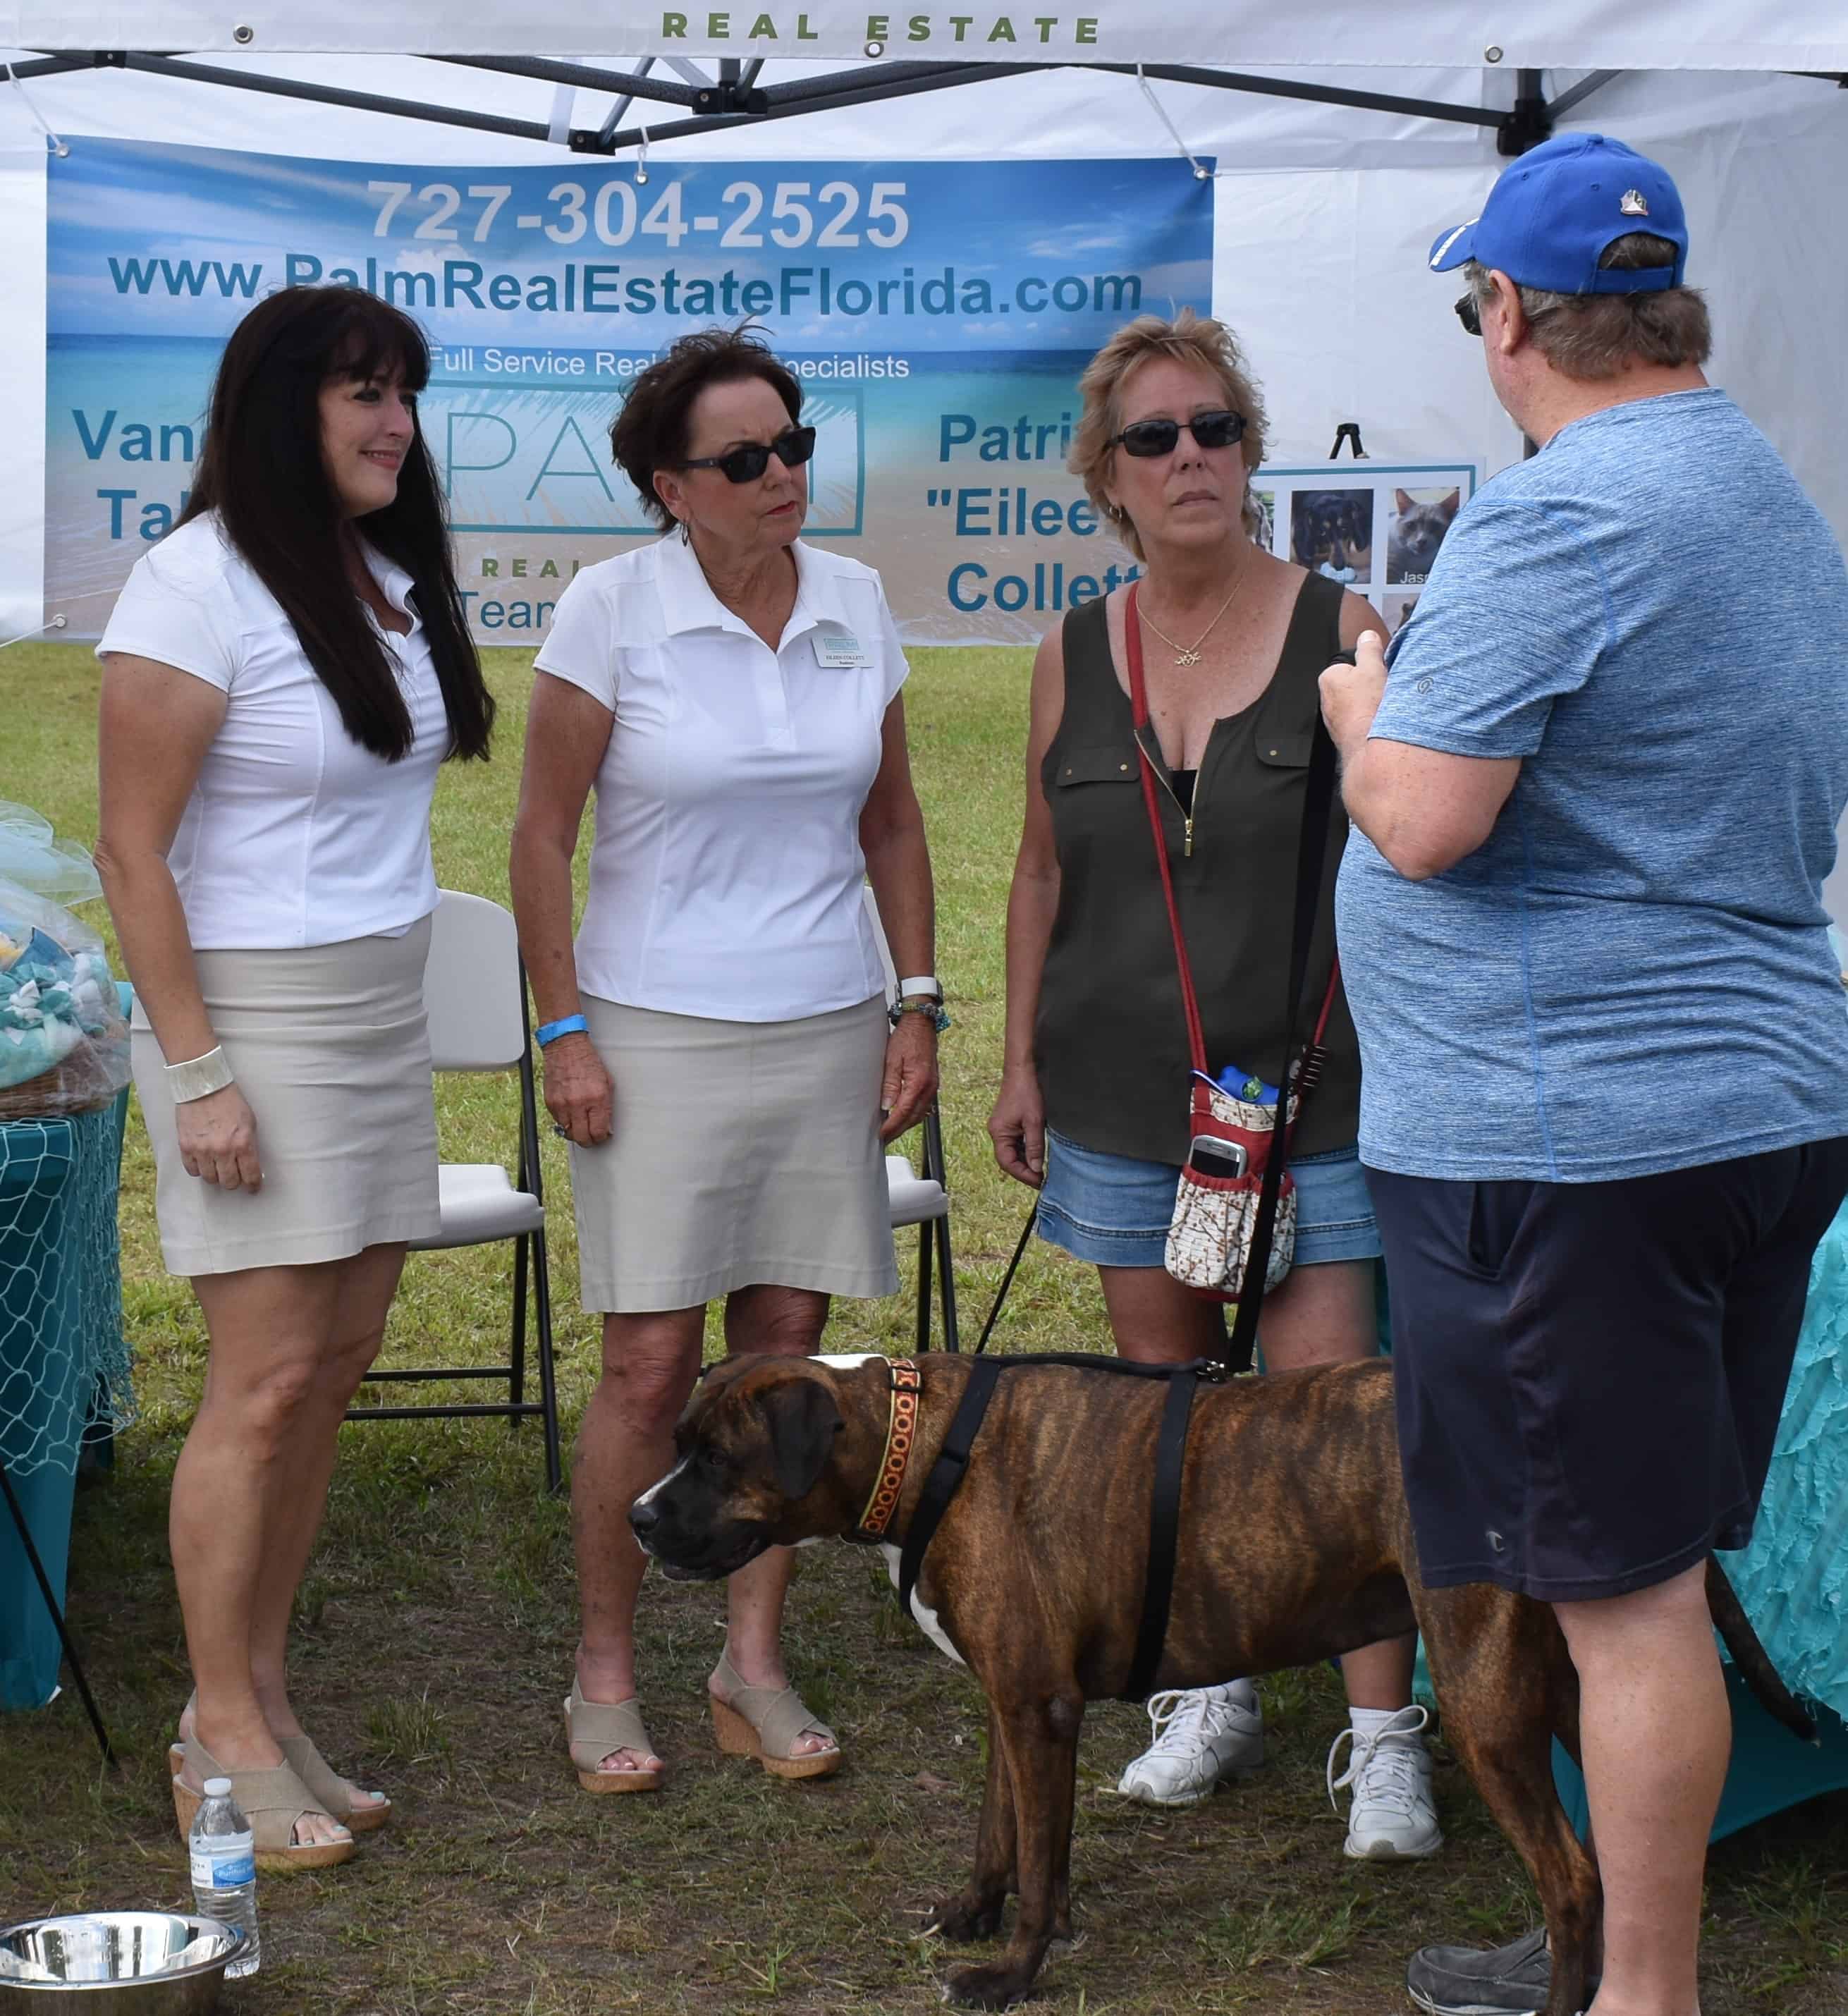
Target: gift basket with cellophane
{"x":63,"y":1041}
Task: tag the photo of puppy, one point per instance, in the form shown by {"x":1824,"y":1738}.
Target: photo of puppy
{"x":1264,"y":503}
{"x":1332,"y":533}
{"x":1415,"y":526}
{"x":1398,"y":612}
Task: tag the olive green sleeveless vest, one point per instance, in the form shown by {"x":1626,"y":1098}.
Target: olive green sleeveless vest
{"x":1110,"y":1039}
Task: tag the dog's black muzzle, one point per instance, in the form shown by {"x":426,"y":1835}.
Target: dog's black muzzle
{"x":684,"y":1526}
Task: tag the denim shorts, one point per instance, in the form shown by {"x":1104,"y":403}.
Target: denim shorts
{"x":1114,"y":1210}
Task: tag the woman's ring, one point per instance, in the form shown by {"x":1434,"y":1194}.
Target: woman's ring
{"x":565,"y":1131}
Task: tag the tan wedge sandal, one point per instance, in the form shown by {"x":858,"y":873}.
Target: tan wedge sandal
{"x":767,"y":1723}
{"x":327,"y":1789}
{"x":593,"y":1729}
{"x":330,"y":1790}
{"x":272,"y":1801}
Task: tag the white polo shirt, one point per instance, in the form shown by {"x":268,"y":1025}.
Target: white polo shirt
{"x":725,"y":874}
{"x":294,"y":835}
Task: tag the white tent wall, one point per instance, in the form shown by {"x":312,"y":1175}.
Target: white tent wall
{"x":21,"y":367}
{"x":1324,"y":217}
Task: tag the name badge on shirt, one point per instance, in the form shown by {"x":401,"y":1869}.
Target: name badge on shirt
{"x":838,"y":650}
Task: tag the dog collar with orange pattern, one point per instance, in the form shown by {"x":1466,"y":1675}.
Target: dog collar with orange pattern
{"x":901,"y":1432}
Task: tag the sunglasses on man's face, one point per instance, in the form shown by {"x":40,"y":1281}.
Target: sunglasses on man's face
{"x":746,"y":465}
{"x":1147,"y":438}
{"x":1470,"y":314}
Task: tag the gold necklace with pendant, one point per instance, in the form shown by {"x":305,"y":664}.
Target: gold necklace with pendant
{"x":1190,"y":653}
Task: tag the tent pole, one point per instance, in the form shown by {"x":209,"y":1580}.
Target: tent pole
{"x":587,"y":79}
{"x":1580,"y":91}
{"x":623,"y":104}
{"x":1531,"y":121}
{"x":867,"y":95}
{"x":321,"y":93}
{"x":895,"y":78}
{"x":57,"y":65}
{"x":1313,"y":94}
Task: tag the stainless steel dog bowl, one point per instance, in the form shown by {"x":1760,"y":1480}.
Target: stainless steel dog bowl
{"x":115,"y":1964}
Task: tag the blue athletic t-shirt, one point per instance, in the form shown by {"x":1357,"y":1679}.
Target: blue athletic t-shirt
{"x":1633,"y":972}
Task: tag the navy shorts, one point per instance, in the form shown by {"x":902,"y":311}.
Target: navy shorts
{"x":1114,"y":1210}
{"x":1589,"y":1376}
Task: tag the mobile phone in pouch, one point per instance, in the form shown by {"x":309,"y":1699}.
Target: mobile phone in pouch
{"x":1213,"y":1157}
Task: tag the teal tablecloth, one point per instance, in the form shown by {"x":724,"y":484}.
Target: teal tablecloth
{"x":63,"y":1360}
{"x":1793,"y":1578}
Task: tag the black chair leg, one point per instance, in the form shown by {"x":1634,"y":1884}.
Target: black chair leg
{"x":937,"y":1172}
{"x":924,"y":1286}
{"x":548,"y":1398}
{"x":516,"y":1349}
{"x":52,"y":1604}
{"x":946,"y":1284}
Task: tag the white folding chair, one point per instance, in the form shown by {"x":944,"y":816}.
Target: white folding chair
{"x":474,"y":992}
{"x":921,"y":1199}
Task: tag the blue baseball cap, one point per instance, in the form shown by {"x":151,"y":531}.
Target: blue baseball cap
{"x":1554,"y":211}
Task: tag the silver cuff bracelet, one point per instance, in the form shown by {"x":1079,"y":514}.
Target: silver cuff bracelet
{"x":199,"y":1077}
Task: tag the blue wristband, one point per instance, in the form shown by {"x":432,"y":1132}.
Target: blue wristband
{"x":565,"y":1025}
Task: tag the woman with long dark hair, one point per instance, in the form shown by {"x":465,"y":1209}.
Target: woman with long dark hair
{"x":283,"y":676}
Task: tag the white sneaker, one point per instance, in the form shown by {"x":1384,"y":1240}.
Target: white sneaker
{"x":1201,"y":1735}
{"x":1393,"y":1818}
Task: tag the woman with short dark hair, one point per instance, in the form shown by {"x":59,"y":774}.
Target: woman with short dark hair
{"x":716,"y":1044}
{"x":283,"y":676}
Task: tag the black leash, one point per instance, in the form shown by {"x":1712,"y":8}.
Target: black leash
{"x":1007,"y":1280}
{"x":946,"y":1473}
{"x":1312,"y":847}
{"x":1164,"y":1534}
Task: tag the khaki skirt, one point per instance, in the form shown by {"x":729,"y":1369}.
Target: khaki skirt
{"x":742,"y":1153}
{"x":330,"y":1047}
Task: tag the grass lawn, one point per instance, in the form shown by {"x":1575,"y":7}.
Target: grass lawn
{"x":436,"y":1623}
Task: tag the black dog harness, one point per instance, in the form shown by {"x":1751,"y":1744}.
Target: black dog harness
{"x":951,"y":1465}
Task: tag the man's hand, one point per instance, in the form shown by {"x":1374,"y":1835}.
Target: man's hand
{"x":1351,"y":695}
{"x":1425,"y":809}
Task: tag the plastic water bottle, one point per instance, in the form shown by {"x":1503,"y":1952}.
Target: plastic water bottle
{"x":224,"y":1868}
{"x":1246,"y":1086}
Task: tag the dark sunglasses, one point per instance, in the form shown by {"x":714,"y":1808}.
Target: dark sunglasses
{"x":1470,"y":314}
{"x":1147,"y":438}
{"x":746,"y":465}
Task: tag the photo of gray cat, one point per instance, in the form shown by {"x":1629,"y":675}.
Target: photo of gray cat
{"x":1415,"y":526}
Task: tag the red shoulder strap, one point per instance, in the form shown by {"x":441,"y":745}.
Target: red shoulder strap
{"x":1138,"y":708}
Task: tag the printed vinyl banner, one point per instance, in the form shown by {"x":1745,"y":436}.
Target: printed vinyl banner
{"x":938,"y":314}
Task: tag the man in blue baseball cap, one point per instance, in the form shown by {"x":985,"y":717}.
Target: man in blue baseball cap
{"x":1594,"y":786}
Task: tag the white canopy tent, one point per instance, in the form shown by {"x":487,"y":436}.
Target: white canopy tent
{"x":1791,"y":35}
{"x":1327,"y":198}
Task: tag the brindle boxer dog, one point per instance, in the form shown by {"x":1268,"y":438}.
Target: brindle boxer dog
{"x":1295,"y":1545}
